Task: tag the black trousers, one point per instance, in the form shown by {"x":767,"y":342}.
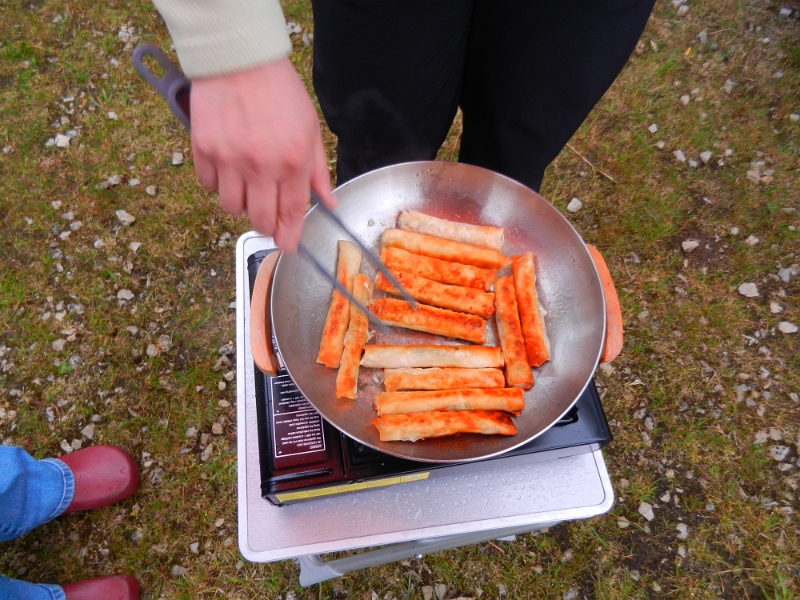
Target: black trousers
{"x":390,"y":75}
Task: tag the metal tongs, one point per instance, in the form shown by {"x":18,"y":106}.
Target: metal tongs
{"x":372,"y":257}
{"x":176,"y":89}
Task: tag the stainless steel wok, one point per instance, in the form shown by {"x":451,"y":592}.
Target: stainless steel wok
{"x":568,"y":284}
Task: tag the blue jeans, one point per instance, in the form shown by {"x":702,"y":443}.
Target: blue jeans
{"x":32,"y":492}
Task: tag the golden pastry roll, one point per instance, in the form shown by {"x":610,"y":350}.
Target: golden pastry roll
{"x":418,"y":426}
{"x":531,"y":312}
{"x":438,"y":321}
{"x":510,"y":400}
{"x":454,"y":297}
{"x":385,"y":356}
{"x":454,"y":378}
{"x":347,"y":377}
{"x":518,"y":372}
{"x":332,"y":344}
{"x":434,"y":269}
{"x":435,"y":247}
{"x":478,"y":235}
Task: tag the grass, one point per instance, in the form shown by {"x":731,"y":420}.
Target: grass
{"x":691,"y":339}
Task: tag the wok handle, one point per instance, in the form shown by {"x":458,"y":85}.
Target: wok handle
{"x":613,"y":342}
{"x":260,"y":321}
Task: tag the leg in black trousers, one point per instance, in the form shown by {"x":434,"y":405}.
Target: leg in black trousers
{"x":389,"y":76}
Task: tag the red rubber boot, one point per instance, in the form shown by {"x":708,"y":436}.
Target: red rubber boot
{"x":103,"y":475}
{"x":113,"y":587}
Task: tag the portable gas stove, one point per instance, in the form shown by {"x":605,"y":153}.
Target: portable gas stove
{"x":302,"y":456}
{"x":291,"y":457}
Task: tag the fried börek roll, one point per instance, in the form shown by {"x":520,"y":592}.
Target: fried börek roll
{"x":511,"y":400}
{"x":531,"y":313}
{"x":438,"y":321}
{"x":332,"y":344}
{"x":384,"y":356}
{"x":453,"y":297}
{"x":347,"y":377}
{"x":442,"y":379}
{"x":434,"y":269}
{"x":518,"y":372}
{"x":435,"y":247}
{"x":478,"y":235}
{"x":418,"y":426}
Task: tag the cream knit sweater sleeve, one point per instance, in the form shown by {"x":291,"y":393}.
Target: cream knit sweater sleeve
{"x":215,"y":37}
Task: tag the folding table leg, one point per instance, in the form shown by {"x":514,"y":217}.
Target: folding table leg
{"x":314,"y":570}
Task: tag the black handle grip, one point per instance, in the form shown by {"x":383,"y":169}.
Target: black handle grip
{"x":173,"y":85}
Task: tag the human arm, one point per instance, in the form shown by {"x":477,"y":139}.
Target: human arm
{"x":255,"y":131}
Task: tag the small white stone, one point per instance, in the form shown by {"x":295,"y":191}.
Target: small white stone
{"x":194,"y":547}
{"x":646,"y":510}
{"x":88,"y":432}
{"x":61,"y":141}
{"x":177,"y":158}
{"x":777,"y":75}
{"x":751,"y":240}
{"x":680,"y":155}
{"x":683,"y":9}
{"x":134,"y":182}
{"x":653,"y":128}
{"x":683,"y":531}
{"x":785,"y":11}
{"x":794,"y":117}
{"x":152,"y":190}
{"x":728,"y":152}
{"x":693,"y":164}
{"x":728,"y":87}
{"x":682,"y":551}
{"x":787,"y":327}
{"x":574,"y":205}
{"x":58,"y":345}
{"x":112,"y":115}
{"x":56,"y":204}
{"x":775,"y":308}
{"x":750,"y":290}
{"x":125,"y":295}
{"x":125,"y":217}
{"x":685,"y":99}
{"x":97,"y":243}
{"x":734,"y":231}
{"x":623,"y":523}
{"x":134,"y":246}
{"x":705,"y":156}
{"x":779,"y":453}
{"x":152,"y":351}
{"x":221,"y":386}
{"x":606,"y":368}
{"x":690,"y":245}
{"x":660,"y":145}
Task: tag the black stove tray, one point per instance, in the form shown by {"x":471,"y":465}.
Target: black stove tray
{"x":303,"y":456}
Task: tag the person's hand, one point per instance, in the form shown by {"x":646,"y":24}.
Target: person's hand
{"x":256,"y":138}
